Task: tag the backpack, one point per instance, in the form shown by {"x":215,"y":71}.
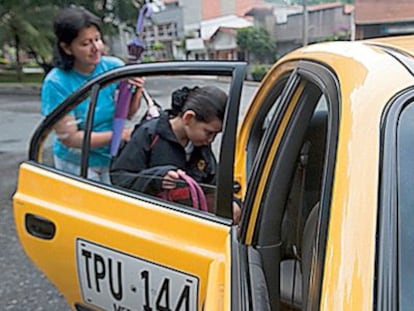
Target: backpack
{"x":153,"y":108}
{"x":153,"y":111}
{"x":190,"y":194}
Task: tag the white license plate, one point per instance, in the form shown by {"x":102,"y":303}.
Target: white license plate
{"x":112,"y":280}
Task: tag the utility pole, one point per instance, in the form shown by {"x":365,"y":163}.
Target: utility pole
{"x":305,"y":22}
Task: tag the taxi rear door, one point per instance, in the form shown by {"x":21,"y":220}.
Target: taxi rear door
{"x":112,"y":249}
{"x":284,"y":164}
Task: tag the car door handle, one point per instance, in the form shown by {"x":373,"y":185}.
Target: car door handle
{"x":40,"y":227}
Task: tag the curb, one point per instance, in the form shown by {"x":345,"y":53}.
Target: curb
{"x":34,"y":88}
{"x":20,"y":89}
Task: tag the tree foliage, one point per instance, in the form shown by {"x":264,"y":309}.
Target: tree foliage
{"x":257,"y":41}
{"x":27,"y":25}
{"x":26,"y":28}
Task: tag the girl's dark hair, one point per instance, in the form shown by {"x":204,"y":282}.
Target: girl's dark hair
{"x":208,"y":102}
{"x":68,"y":23}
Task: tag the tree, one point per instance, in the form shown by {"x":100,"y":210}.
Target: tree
{"x":256,"y":41}
{"x":24,"y":26}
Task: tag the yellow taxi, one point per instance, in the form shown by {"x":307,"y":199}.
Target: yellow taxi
{"x":323,"y":162}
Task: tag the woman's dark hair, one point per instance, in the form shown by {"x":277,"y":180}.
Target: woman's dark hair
{"x":68,"y":23}
{"x":208,"y":102}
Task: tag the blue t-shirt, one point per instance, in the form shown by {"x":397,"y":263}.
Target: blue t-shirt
{"x":58,"y":85}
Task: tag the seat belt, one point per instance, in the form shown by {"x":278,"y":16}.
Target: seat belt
{"x":295,"y":204}
{"x":303,"y":163}
{"x":295,"y":207}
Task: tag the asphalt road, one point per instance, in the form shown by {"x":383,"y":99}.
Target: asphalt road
{"x":22,"y":286}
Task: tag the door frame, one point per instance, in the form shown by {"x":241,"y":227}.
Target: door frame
{"x":236,"y":71}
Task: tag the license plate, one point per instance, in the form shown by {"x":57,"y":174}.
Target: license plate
{"x":112,"y":280}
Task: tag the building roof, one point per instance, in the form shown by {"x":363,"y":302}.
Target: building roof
{"x":297,"y":9}
{"x":229,"y":30}
{"x":383,"y":11}
{"x":194,"y":44}
{"x":243,"y":6}
{"x":210,"y":26}
{"x":324,"y":6}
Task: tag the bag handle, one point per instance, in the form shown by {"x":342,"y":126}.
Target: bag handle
{"x":197,"y":194}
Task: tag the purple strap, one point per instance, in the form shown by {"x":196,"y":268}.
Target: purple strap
{"x":145,"y":11}
{"x":198,"y":198}
{"x":197,"y":194}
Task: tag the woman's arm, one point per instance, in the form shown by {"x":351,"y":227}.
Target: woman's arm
{"x":68,"y":133}
{"x":136,"y":97}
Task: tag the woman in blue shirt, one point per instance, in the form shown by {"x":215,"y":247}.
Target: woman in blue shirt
{"x":79,"y":58}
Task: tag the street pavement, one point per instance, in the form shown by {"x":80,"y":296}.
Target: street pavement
{"x":22,"y":286}
{"x":19,"y":89}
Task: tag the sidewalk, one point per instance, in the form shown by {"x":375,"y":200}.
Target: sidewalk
{"x":34,"y":88}
{"x":20,"y":89}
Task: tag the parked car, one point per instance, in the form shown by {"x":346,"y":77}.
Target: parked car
{"x":323,"y":162}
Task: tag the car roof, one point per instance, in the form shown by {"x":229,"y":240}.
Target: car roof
{"x":367,"y":71}
{"x":403,"y":43}
{"x":368,"y":77}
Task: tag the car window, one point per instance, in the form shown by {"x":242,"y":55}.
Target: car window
{"x":56,"y":145}
{"x":308,"y":147}
{"x":405,"y":173}
{"x":61,"y":152}
{"x":182,"y":194}
{"x":262,"y":122}
{"x":300,"y":137}
{"x":64,"y":149}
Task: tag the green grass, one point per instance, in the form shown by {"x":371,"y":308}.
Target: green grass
{"x":11,"y":77}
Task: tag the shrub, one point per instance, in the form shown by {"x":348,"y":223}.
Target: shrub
{"x":148,"y":59}
{"x":10,"y":76}
{"x":259,"y":71}
{"x":4,"y":61}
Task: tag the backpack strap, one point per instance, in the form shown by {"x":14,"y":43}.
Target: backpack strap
{"x":197,"y":194}
{"x":153,"y":109}
{"x":154,"y":140}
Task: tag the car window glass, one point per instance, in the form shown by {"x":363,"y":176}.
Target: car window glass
{"x":270,"y":114}
{"x":293,"y":188}
{"x":63,"y":146}
{"x":405,"y":172}
{"x":59,"y":150}
{"x":162,"y":96}
{"x":302,"y":201}
{"x":57,"y":147}
{"x":262,"y":122}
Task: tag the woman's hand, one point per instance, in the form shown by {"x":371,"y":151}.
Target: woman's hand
{"x":126,"y":133}
{"x":170,"y":179}
{"x":236,"y":213}
{"x":138,"y":83}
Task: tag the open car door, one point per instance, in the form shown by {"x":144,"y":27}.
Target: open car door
{"x":114,"y":249}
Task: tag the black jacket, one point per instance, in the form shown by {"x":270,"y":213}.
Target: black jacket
{"x":154,"y":150}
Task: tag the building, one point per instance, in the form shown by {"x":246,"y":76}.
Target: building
{"x":217,"y":38}
{"x":215,"y":8}
{"x":329,"y":21}
{"x":209,"y":26}
{"x":194,"y":11}
{"x":160,"y":35}
{"x":377,"y":18}
{"x":163,"y":33}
